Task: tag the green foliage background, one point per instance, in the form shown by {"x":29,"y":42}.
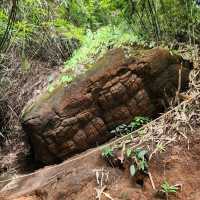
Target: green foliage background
{"x":86,"y":28}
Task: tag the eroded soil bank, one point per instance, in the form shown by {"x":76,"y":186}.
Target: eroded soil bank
{"x":179,"y":164}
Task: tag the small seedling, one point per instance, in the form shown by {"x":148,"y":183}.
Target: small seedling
{"x":107,"y":152}
{"x":125,"y":129}
{"x":140,"y":161}
{"x":113,"y":158}
{"x":137,"y":158}
{"x":138,"y":122}
{"x":122,"y":129}
{"x":168,"y":189}
{"x":160,"y":147}
{"x":66,"y":79}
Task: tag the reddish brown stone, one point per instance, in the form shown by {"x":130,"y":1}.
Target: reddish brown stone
{"x":78,"y":116}
{"x":69,"y":122}
{"x":85,"y":116}
{"x":80,"y":139}
{"x":117,"y":115}
{"x":99,"y":124}
{"x":91,"y":132}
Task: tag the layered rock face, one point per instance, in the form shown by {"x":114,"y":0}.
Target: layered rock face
{"x":79,"y":116}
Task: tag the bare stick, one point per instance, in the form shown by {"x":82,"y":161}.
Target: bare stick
{"x":151,"y":179}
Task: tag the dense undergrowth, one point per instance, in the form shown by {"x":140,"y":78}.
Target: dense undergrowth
{"x":62,"y":25}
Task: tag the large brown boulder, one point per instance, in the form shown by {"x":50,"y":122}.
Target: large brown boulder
{"x":76,"y":117}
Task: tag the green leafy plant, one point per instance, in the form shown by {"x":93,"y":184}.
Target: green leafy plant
{"x":139,"y":121}
{"x":168,"y":189}
{"x":96,"y":43}
{"x":107,"y":152}
{"x":65,"y":79}
{"x":140,"y":161}
{"x":124,"y":129}
{"x":160,"y":147}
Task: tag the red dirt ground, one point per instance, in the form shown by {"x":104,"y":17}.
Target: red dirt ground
{"x":178,"y":165}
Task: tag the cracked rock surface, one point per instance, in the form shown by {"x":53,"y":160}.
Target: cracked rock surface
{"x":79,"y":116}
